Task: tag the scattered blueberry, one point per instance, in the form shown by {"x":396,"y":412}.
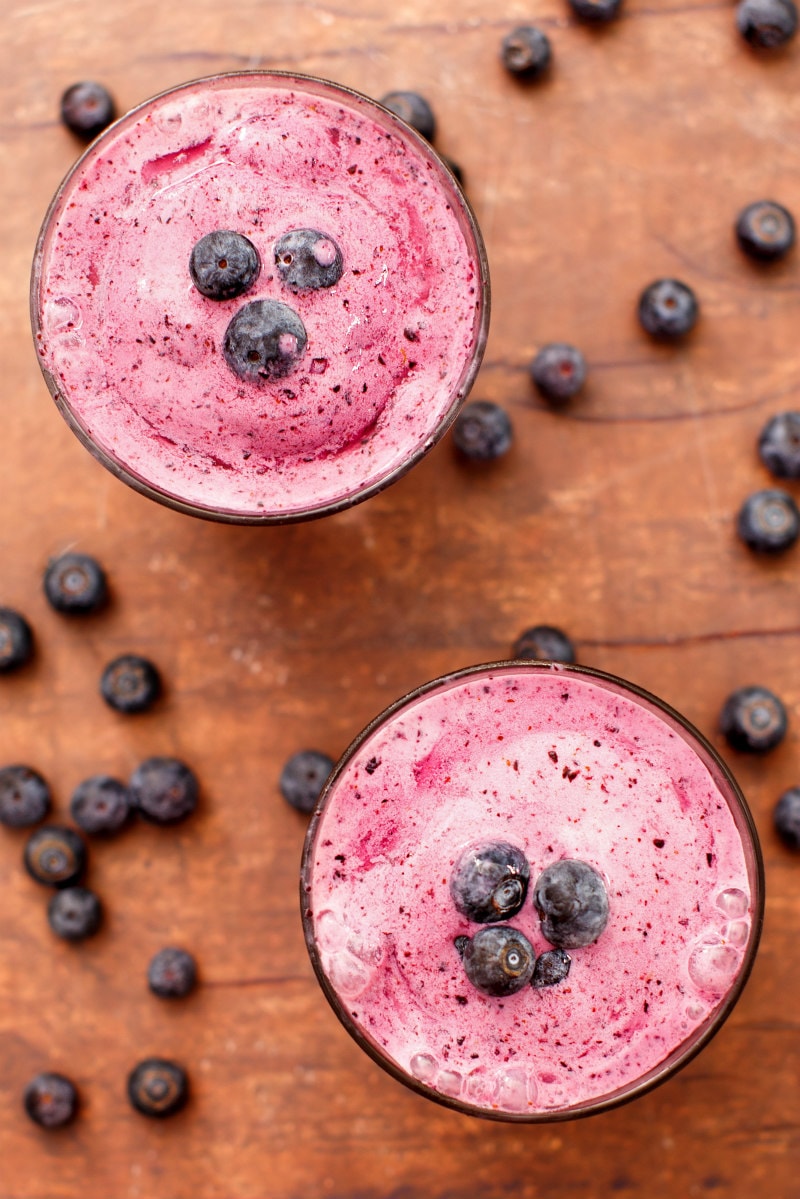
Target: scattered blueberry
{"x":454,"y":169}
{"x":24,"y":797}
{"x":75,"y":913}
{"x":303,"y":777}
{"x":307,"y":260}
{"x":779,"y":445}
{"x":157,"y":1087}
{"x":414,"y":110}
{"x":172,"y":973}
{"x":76,"y":584}
{"x":498,"y":960}
{"x":596,"y":10}
{"x":767,"y":24}
{"x":51,"y":1100}
{"x":224,"y":264}
{"x":572,"y":902}
{"x":769,"y":521}
{"x":100,"y":804}
{"x":668,"y":309}
{"x":787,"y":817}
{"x":753,"y":720}
{"x":130,"y":684}
{"x":559,"y":371}
{"x":544,"y":643}
{"x":490,"y":881}
{"x":55,"y":856}
{"x":526,"y":52}
{"x":551,"y":968}
{"x":163,"y":790}
{"x":265,"y":340}
{"x":87,"y":108}
{"x":16,"y":640}
{"x":482,"y":431}
{"x":765,"y":230}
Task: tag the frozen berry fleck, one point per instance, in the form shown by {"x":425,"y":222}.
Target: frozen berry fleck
{"x":668,"y":309}
{"x":779,"y":445}
{"x":572,"y":902}
{"x":786,"y":818}
{"x":87,"y":108}
{"x":544,"y":643}
{"x":130,"y":684}
{"x":551,"y":968}
{"x":100,"y":805}
{"x":172,"y":973}
{"x":75,"y":913}
{"x":753,"y":720}
{"x":55,"y":856}
{"x":16,"y":640}
{"x":158,"y":1088}
{"x":75,"y":584}
{"x":224,"y":264}
{"x":51,"y":1100}
{"x":765,"y":230}
{"x":308,"y":260}
{"x":767,"y":24}
{"x":769,"y":521}
{"x":559,"y":371}
{"x":303,"y":777}
{"x":24,"y":797}
{"x":499,"y":960}
{"x":526,"y":52}
{"x":482,"y":431}
{"x":596,"y":10}
{"x":414,"y":110}
{"x":265,"y":340}
{"x":490,"y":881}
{"x":164,"y":790}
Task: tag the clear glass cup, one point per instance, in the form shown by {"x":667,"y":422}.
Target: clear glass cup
{"x":584,"y":765}
{"x":133,"y":354}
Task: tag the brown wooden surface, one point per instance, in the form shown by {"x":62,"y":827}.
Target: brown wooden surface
{"x":613,"y":519}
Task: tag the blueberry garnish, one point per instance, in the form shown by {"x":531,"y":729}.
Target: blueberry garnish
{"x":75,"y":584}
{"x":668,"y":309}
{"x":779,"y":445}
{"x":51,"y":1100}
{"x":572,"y":902}
{"x":767,"y":24}
{"x":596,"y":10}
{"x":16,"y":640}
{"x":526,"y":52}
{"x":753,"y":720}
{"x":130,"y":684}
{"x":307,"y":260}
{"x":172,"y":973}
{"x":551,"y":968}
{"x":559,"y":371}
{"x":303,"y":777}
{"x":544,"y":643}
{"x":24,"y":797}
{"x":498,"y":960}
{"x":769,"y":521}
{"x":164,"y":790}
{"x":55,"y":856}
{"x":224,"y":264}
{"x":75,"y":913}
{"x":265,"y":340}
{"x":765,"y":230}
{"x":414,"y":110}
{"x":157,"y":1087}
{"x":490,"y":881}
{"x":482,"y":431}
{"x":100,"y":804}
{"x":87,"y":108}
{"x":786,"y":817}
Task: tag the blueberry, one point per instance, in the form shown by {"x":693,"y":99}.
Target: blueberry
{"x":779,"y":445}
{"x":490,"y":881}
{"x":224,"y":264}
{"x":75,"y":913}
{"x":767,"y":24}
{"x":87,"y":108}
{"x":265,"y":340}
{"x":51,"y":1100}
{"x":572,"y":903}
{"x":551,"y":968}
{"x":172,"y":973}
{"x":482,"y":431}
{"x":559,"y":371}
{"x":55,"y":856}
{"x":303,"y":777}
{"x":544,"y":643}
{"x":786,"y":817}
{"x":414,"y":110}
{"x":307,"y":260}
{"x":765,"y":230}
{"x":24,"y":797}
{"x":75,"y":584}
{"x":753,"y":720}
{"x":454,"y":169}
{"x":596,"y":10}
{"x":100,"y":805}
{"x":163,"y":790}
{"x":668,"y":309}
{"x":158,"y":1088}
{"x":130,"y":684}
{"x":16,"y":640}
{"x":526,"y":52}
{"x":769,"y":521}
{"x":498,"y":960}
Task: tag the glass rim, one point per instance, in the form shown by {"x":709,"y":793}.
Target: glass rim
{"x":465,"y":216}
{"x":737,"y":804}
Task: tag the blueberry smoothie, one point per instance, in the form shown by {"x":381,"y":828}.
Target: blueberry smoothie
{"x":531,"y":891}
{"x":259,"y":297}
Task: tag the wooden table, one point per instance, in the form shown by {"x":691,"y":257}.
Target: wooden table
{"x":613,"y":519}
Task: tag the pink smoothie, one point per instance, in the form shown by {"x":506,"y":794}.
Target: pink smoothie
{"x":562,"y":765}
{"x":133,"y":351}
